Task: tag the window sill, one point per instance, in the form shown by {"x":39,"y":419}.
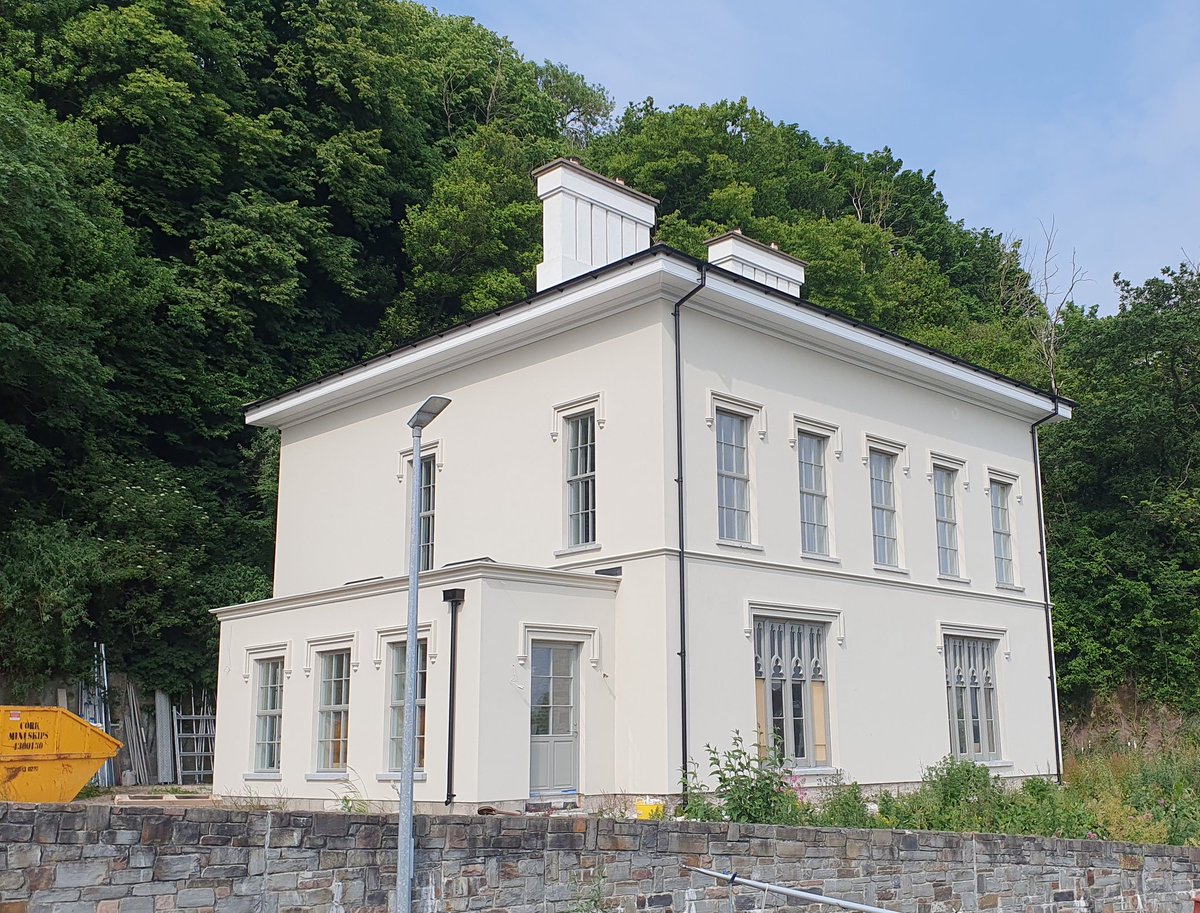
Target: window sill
{"x":947,"y":578}
{"x":734,"y":543}
{"x":576,"y":549}
{"x":262,"y":775}
{"x":994,"y":765}
{"x":814,"y":771}
{"x":824,"y":559}
{"x":327,"y":775}
{"x":1010,"y":587}
{"x":394,"y":776}
{"x":889,"y":569}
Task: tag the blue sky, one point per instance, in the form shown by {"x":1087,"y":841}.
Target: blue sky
{"x":1081,"y":114}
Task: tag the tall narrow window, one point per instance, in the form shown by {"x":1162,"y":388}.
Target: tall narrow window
{"x":581,"y":479}
{"x":946,"y":519}
{"x":1002,"y":532}
{"x":789,"y":673}
{"x":428,"y":498}
{"x":733,"y":477}
{"x":396,"y":738}
{"x":883,"y":508}
{"x":333,"y":710}
{"x":971,"y":697}
{"x":814,"y":524}
{"x":268,"y":715}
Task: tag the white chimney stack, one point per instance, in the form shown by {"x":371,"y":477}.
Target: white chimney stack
{"x":769,"y":265}
{"x":588,"y":221}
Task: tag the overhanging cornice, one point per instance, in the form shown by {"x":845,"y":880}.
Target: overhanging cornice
{"x":386,"y":586}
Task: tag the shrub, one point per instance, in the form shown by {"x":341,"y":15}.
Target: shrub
{"x":752,"y":787}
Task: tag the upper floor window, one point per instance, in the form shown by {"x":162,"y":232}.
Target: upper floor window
{"x":1002,"y":532}
{"x":268,"y":713}
{"x":814,"y":521}
{"x":581,"y":479}
{"x":333,"y":710}
{"x":427,"y":505}
{"x":733,"y":476}
{"x":789,"y":682}
{"x":946,"y":520}
{"x":971,"y":697}
{"x":883,"y":508}
{"x":399,"y":653}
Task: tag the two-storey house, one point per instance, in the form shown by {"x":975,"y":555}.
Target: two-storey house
{"x":669,"y":500}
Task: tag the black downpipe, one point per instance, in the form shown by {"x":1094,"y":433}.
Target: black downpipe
{"x":1037,"y":480}
{"x":455,"y":598}
{"x":683,"y":706}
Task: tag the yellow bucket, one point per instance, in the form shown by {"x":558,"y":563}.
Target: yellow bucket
{"x":47,"y":754}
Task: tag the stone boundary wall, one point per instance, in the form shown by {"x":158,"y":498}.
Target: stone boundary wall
{"x":102,"y":859}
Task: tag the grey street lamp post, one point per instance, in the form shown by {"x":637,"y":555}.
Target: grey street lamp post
{"x":405,"y":849}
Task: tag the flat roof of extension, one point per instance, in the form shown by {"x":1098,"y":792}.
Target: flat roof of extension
{"x":702,"y":265}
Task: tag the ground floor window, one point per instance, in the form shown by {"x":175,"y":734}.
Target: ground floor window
{"x":971,"y":697}
{"x":790,"y":689}
{"x":268,"y":715}
{"x":396,"y":739}
{"x":333,"y":710}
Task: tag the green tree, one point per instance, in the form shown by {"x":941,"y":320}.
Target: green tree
{"x":1122,"y":497}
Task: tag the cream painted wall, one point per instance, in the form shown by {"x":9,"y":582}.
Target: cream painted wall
{"x":342,"y":514}
{"x":785,"y":380}
{"x":342,"y":517}
{"x":499,"y":616}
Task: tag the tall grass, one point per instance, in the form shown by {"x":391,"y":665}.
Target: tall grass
{"x":1127,"y":795}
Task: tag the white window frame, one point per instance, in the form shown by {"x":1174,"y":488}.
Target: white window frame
{"x":397,"y":650}
{"x":809,"y":672}
{"x":898,"y":454}
{"x":956,"y":471}
{"x":431,"y":451}
{"x":577,"y":482}
{"x":973,"y":695}
{"x":560,"y":415}
{"x":323,"y":708}
{"x":1001,"y":481}
{"x":756,"y":425}
{"x":268,"y":713}
{"x":814,"y":494}
{"x":733,"y":480}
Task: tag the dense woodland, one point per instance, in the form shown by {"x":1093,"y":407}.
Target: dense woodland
{"x":203,"y":202}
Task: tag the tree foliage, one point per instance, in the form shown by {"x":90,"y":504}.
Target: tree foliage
{"x":1123,"y":496}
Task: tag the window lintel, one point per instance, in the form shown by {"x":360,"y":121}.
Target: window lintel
{"x":281,"y":650}
{"x":952,"y":463}
{"x":836,"y":620}
{"x":1004,"y":477}
{"x":898,"y":449}
{"x":803,"y":425}
{"x":329,"y":644}
{"x":979,"y":632}
{"x":593,"y":402}
{"x":384,"y":637}
{"x":434,"y":448}
{"x":578,"y":634}
{"x":727,"y":402}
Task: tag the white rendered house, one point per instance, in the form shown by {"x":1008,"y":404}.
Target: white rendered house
{"x":669,"y":500}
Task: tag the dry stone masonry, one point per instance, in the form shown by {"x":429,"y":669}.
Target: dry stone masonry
{"x":101,"y":859}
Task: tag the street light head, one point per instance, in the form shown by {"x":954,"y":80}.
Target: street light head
{"x":430,"y":409}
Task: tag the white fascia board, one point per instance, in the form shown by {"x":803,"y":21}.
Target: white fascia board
{"x":808,"y":326}
{"x":552,"y":312}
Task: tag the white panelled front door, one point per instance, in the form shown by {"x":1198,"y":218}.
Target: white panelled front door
{"x":554,"y":719}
